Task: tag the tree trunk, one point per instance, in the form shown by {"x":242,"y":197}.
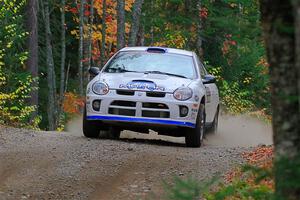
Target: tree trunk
{"x":80,"y":49}
{"x":141,"y":36}
{"x":67,"y":77}
{"x":199,"y":31}
{"x":63,"y":57}
{"x":281,"y":36}
{"x":189,"y":13}
{"x":188,"y":7}
{"x":90,"y":38}
{"x":136,"y":13}
{"x":32,"y":44}
{"x":152,"y":24}
{"x":297,"y":35}
{"x":103,"y":31}
{"x":120,"y":24}
{"x":50,"y":71}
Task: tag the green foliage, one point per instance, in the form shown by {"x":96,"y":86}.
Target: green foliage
{"x":15,"y":83}
{"x":189,"y":189}
{"x":244,"y":187}
{"x":287,"y":172}
{"x":241,"y":188}
{"x":232,"y":40}
{"x":184,"y":190}
{"x":234,"y":98}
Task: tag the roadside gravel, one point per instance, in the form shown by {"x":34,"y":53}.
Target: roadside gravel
{"x":52,"y":165}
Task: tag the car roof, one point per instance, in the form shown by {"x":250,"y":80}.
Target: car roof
{"x":169,"y":50}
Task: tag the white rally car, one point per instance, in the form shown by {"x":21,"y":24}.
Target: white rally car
{"x":162,"y":89}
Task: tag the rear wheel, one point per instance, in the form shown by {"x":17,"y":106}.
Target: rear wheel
{"x":91,"y":129}
{"x":194,"y":137}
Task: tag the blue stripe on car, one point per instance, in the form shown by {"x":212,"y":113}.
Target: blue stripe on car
{"x":141,"y":120}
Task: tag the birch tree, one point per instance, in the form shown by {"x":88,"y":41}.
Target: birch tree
{"x":90,"y":35}
{"x":80,"y":49}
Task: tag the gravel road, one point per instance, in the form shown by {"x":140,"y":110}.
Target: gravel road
{"x":51,"y":165}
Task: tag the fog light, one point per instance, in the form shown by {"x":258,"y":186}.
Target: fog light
{"x":96,"y":105}
{"x":183,"y":111}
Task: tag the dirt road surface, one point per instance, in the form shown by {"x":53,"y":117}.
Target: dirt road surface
{"x":51,"y":165}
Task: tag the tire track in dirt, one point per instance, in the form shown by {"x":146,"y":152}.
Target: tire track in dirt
{"x":135,"y":178}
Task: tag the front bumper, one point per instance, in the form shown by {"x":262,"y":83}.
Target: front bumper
{"x":141,"y":120}
{"x":139,"y":108}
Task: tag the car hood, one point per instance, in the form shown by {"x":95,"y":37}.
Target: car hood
{"x":143,"y":82}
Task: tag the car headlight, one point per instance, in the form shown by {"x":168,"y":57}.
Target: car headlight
{"x":183,"y":93}
{"x":100,"y":88}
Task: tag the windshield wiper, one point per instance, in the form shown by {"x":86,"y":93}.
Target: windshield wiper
{"x":122,"y":70}
{"x":125,"y":70}
{"x":165,"y":73}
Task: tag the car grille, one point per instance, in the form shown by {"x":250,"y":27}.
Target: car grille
{"x":124,"y":103}
{"x":155,"y":94}
{"x":155,"y":105}
{"x":148,"y":94}
{"x":125,"y":92}
{"x":120,"y":111}
{"x":155,"y":114}
{"x":139,"y":109}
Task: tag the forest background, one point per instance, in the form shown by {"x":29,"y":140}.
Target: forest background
{"x":47,"y":47}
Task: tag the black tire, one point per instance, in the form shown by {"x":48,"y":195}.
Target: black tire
{"x":214,"y":127}
{"x":91,"y":129}
{"x":194,"y":136}
{"x":114,"y":133}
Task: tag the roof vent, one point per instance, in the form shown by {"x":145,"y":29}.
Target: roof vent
{"x":156,"y":50}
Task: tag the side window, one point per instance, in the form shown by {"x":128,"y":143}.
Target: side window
{"x":201,"y":68}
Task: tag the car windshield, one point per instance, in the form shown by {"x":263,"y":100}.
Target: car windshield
{"x":156,"y":63}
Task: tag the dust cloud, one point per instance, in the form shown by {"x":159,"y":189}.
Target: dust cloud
{"x":233,"y":131}
{"x":242,"y":131}
{"x":75,"y":126}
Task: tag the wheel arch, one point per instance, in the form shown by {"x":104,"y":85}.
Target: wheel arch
{"x":202,"y":100}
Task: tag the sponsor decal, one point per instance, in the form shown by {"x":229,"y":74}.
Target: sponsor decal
{"x":194,"y":110}
{"x":139,"y":85}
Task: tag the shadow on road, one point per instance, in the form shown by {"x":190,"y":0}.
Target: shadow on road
{"x":152,"y":142}
{"x":234,"y":131}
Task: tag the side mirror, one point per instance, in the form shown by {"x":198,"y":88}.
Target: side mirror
{"x":94,"y":71}
{"x":208,"y":79}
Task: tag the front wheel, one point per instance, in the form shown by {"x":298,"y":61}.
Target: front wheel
{"x":214,"y":128}
{"x":194,"y":137}
{"x":114,"y":133}
{"x":91,"y":129}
